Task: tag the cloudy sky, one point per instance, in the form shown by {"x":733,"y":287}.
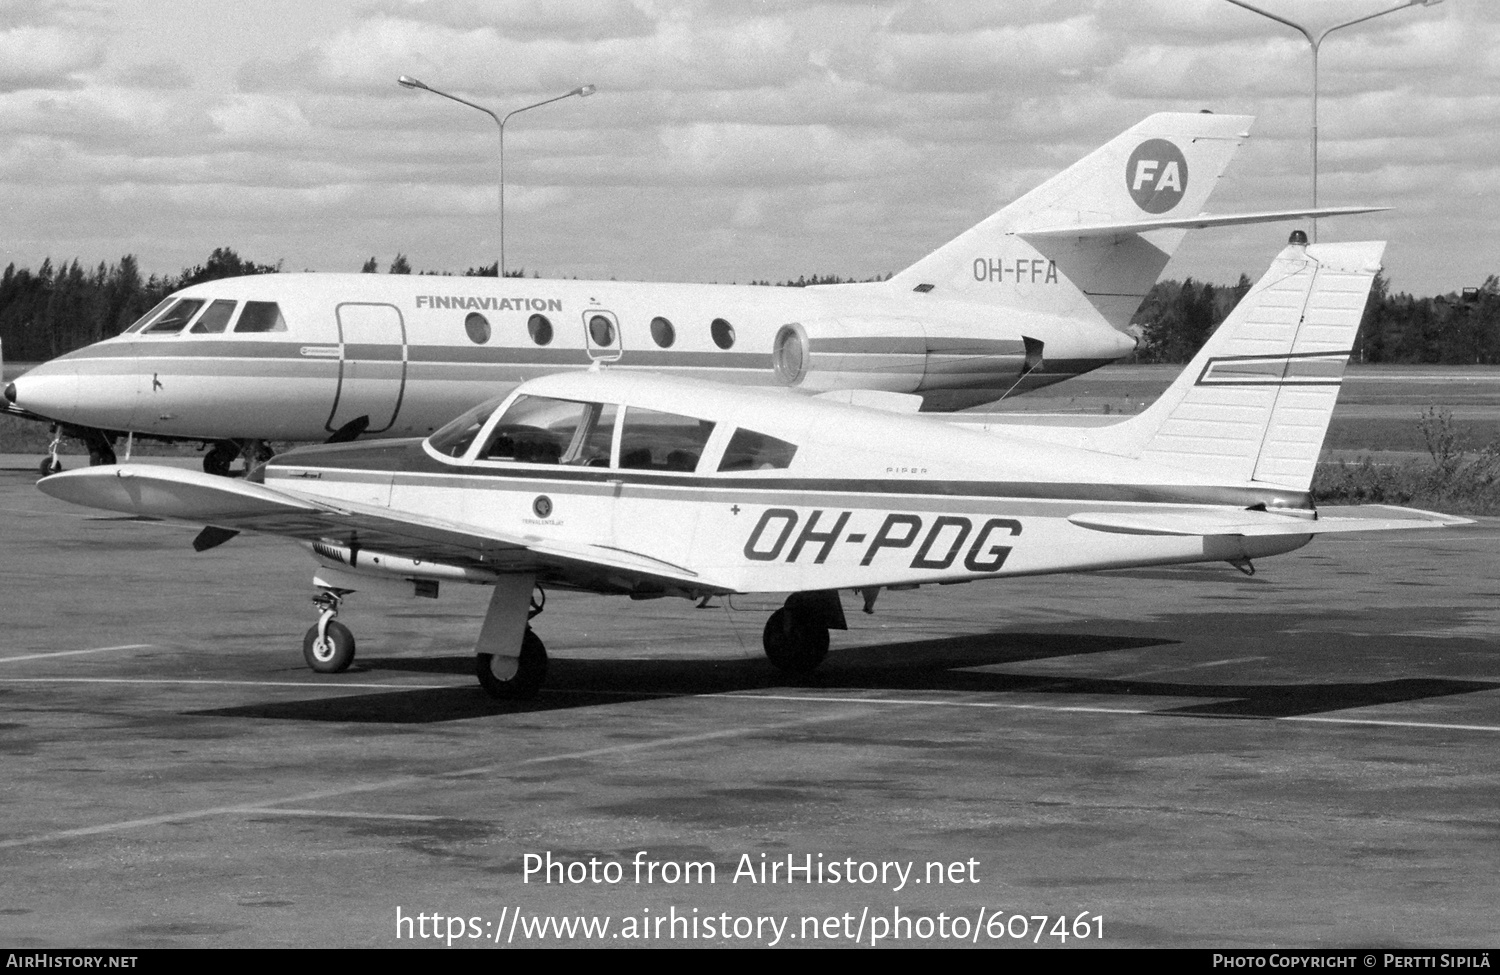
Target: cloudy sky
{"x":729,"y":140}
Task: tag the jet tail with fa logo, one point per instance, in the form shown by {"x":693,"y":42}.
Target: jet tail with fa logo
{"x":1089,"y":243}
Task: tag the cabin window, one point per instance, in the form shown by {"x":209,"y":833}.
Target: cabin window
{"x":454,"y":437}
{"x":751,"y":451}
{"x":662,"y":332}
{"x":477,"y":327}
{"x":601,"y":330}
{"x":540,"y":328}
{"x":656,"y":441}
{"x":174,"y":318}
{"x":723,"y":333}
{"x":215,"y":319}
{"x":260,"y":316}
{"x":140,"y":323}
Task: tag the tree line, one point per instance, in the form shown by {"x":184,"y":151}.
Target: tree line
{"x":58,"y":308}
{"x":1177,"y":317}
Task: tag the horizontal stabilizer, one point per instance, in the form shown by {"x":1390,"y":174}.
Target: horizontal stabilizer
{"x":1200,"y":222}
{"x":1262,"y":523}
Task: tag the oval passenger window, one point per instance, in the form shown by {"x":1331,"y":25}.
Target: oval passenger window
{"x":662,"y":332}
{"x":540,"y":329}
{"x":601,"y":330}
{"x":478,"y":328}
{"x":723,"y":333}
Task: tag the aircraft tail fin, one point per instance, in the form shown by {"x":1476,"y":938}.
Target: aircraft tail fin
{"x":1127,"y":202}
{"x":1255,"y":403}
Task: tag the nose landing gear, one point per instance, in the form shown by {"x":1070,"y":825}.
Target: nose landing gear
{"x":328,"y":646}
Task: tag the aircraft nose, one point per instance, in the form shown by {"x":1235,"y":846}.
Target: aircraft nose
{"x":47,"y":390}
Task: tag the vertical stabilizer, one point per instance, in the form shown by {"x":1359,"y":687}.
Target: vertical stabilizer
{"x":1255,"y":402}
{"x":1166,"y":166}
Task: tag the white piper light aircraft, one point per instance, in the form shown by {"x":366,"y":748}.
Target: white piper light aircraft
{"x":632,"y":484}
{"x":1041,"y":291}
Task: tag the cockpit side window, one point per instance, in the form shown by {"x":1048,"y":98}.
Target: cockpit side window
{"x":751,"y":451}
{"x":145,"y":319}
{"x":655,"y":441}
{"x":543,"y":430}
{"x":174,"y":318}
{"x":260,"y":316}
{"x":215,"y":319}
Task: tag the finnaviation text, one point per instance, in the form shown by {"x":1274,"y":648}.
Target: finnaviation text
{"x":489,"y":303}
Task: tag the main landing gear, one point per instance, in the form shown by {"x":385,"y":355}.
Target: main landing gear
{"x":223,"y":453}
{"x":514,"y":678}
{"x":796,"y":635}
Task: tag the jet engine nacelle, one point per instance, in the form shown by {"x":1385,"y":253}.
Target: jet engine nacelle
{"x":896,"y":356}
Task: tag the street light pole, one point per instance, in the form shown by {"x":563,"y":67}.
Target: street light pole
{"x":1316,"y":40}
{"x":583,"y":91}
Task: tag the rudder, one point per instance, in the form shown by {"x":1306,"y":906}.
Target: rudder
{"x":1255,"y":403}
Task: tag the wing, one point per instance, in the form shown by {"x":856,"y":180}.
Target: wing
{"x":1374,"y":517}
{"x":205,"y":499}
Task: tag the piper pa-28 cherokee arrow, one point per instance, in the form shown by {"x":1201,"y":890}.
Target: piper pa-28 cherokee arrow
{"x":1041,"y":291}
{"x":647,"y":486}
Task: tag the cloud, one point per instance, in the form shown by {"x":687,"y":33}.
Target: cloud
{"x":45,"y":57}
{"x":768,"y":137}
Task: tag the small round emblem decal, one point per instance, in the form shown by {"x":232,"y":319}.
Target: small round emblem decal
{"x":542,"y":506}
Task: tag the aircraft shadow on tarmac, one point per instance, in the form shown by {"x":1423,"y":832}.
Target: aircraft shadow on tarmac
{"x":946,"y":665}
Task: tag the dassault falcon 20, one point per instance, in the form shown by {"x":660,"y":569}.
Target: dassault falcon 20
{"x":649,"y":486}
{"x":1040,"y":291}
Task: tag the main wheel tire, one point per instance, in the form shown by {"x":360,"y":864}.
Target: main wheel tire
{"x":101,"y":455}
{"x":48,"y":466}
{"x":217,"y":460}
{"x":531,"y":671}
{"x":794,"y":645}
{"x":332,"y":655}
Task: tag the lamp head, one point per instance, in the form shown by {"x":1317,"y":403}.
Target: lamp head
{"x":406,"y":81}
{"x":584,"y":91}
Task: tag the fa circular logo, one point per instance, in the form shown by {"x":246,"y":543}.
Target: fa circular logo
{"x":1156,"y":175}
{"x":542,"y":506}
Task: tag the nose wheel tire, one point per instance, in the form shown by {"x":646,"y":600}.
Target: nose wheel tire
{"x":48,"y":466}
{"x":334,"y":653}
{"x":507,"y":679}
{"x":794,"y":644}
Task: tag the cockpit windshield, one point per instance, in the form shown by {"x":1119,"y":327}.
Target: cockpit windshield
{"x":176,"y":317}
{"x":145,"y":319}
{"x":454,"y":438}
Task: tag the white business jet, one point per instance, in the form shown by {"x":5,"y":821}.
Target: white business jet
{"x":625,"y":483}
{"x":1041,"y":291}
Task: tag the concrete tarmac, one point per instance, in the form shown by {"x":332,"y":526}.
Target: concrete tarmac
{"x":1306,"y":758}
